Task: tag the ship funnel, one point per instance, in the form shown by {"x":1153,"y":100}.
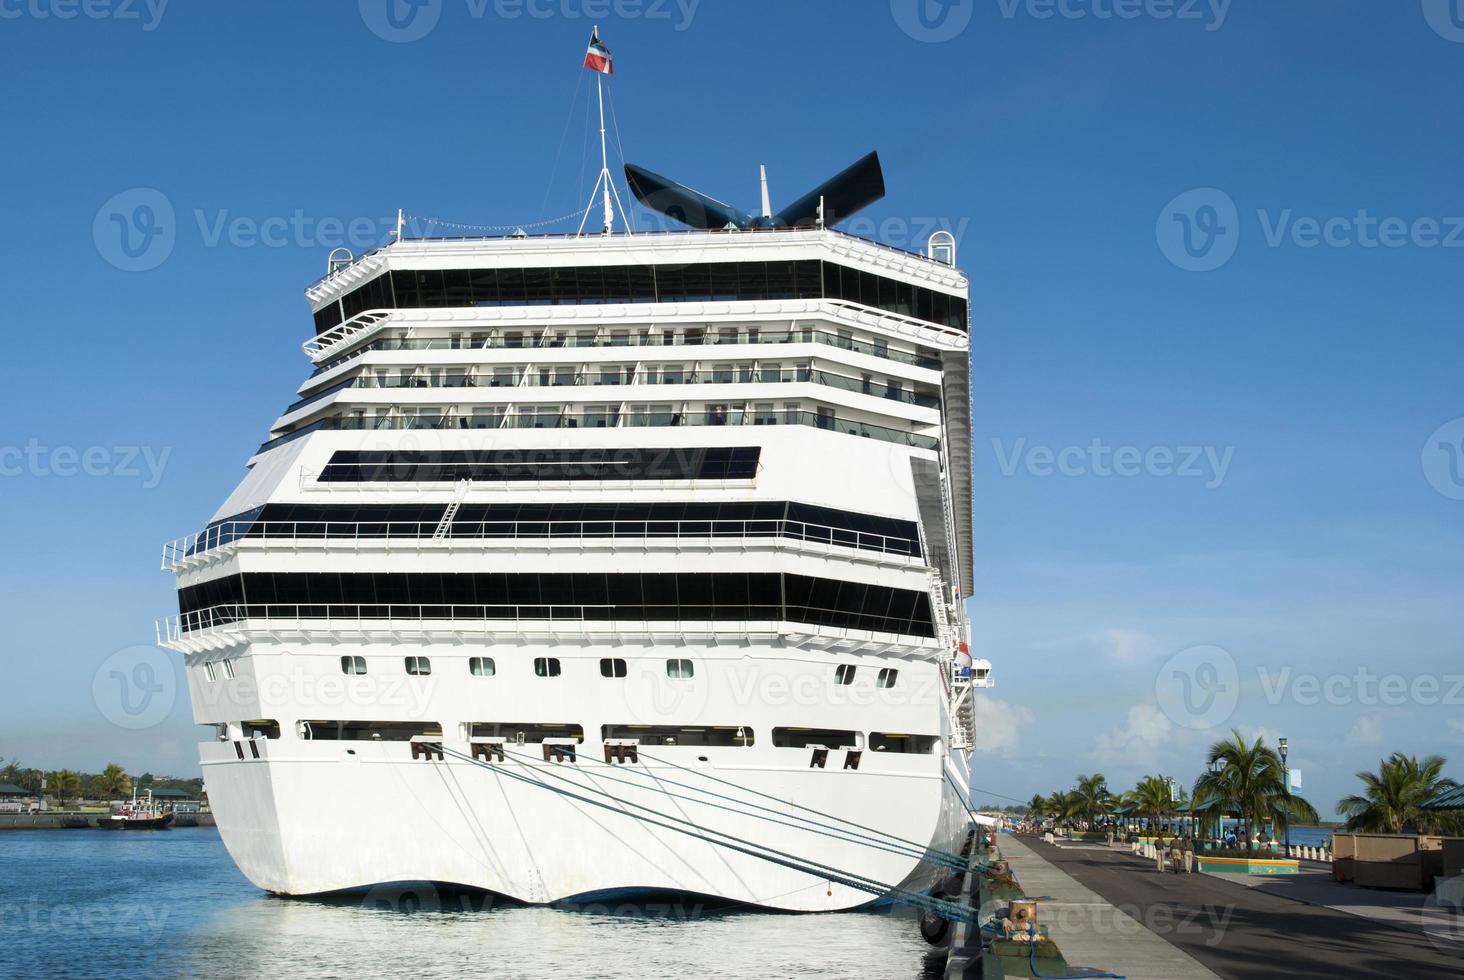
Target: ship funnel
{"x":835,"y":200}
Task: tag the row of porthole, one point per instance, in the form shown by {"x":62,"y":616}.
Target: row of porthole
{"x":611,"y":667}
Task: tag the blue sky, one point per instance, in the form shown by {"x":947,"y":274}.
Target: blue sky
{"x":1289,"y":504}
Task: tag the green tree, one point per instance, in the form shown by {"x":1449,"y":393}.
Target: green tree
{"x":63,"y":784}
{"x":1093,"y":799}
{"x":1151,"y":798}
{"x":114,"y":783}
{"x":1392,"y":798}
{"x":1250,"y":782}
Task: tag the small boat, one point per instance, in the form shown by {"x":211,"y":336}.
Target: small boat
{"x":138,"y":815}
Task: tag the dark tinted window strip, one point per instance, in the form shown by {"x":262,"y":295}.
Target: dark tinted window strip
{"x":718,"y":463}
{"x":317,"y":396}
{"x":571,"y":596}
{"x":610,"y":520}
{"x":596,"y":285}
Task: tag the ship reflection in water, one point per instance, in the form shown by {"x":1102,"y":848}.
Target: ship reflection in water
{"x":174,"y":905}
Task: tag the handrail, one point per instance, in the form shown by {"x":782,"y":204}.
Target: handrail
{"x":605,"y":420}
{"x":462,"y":376}
{"x":768,"y":337}
{"x":665,"y":233}
{"x":173,"y":628}
{"x":225,"y":533}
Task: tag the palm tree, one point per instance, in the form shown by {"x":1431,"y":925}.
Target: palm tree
{"x":13,"y":772}
{"x":1250,"y":782}
{"x":1093,"y":799}
{"x":63,"y":784}
{"x":1037,"y":807}
{"x":1151,"y":798}
{"x":1391,"y":798}
{"x":114,"y":783}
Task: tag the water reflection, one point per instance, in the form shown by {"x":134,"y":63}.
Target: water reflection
{"x":88,"y":903}
{"x":420,"y":931}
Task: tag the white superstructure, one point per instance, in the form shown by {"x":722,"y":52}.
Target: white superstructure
{"x":564,"y":532}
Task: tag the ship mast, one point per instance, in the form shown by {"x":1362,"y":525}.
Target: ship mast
{"x":604,"y":186}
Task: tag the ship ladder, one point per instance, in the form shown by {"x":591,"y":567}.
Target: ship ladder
{"x":444,"y":526}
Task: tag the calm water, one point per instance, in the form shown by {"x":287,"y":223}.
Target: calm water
{"x":92,"y":903}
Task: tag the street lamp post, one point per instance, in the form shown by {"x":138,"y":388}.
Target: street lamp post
{"x":1286,"y":785}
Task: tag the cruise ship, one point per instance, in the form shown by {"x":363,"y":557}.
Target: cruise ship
{"x":610,"y":563}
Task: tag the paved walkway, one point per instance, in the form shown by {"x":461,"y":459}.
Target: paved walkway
{"x":1244,"y":931}
{"x":1093,"y":933}
{"x":1410,"y":911}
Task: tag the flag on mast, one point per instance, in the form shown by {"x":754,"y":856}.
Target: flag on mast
{"x":598,"y":57}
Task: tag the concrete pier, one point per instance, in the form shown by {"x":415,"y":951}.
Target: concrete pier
{"x":1091,"y":931}
{"x":57,"y":820}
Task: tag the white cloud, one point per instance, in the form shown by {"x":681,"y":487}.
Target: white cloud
{"x":1138,"y":740}
{"x":1367,"y":731}
{"x":999,"y":724}
{"x":1456,"y":727}
{"x":1126,"y":645}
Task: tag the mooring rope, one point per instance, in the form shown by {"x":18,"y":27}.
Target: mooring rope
{"x":946,"y":857}
{"x":925,"y":855}
{"x":763,"y":852}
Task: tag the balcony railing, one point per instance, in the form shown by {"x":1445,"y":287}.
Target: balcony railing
{"x":545,"y":342}
{"x":211,"y":539}
{"x":608,"y":420}
{"x":436,"y":379}
{"x":345,"y":616}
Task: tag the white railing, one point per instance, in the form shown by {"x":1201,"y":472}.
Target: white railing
{"x":384,"y":533}
{"x":362,"y":323}
{"x":344,"y":617}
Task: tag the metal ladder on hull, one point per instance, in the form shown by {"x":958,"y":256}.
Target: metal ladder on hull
{"x":444,"y":526}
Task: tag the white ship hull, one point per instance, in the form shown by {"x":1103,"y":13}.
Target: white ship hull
{"x":313,"y":822}
{"x":724,"y":542}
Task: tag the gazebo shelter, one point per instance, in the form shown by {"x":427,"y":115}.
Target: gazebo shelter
{"x":10,"y":791}
{"x":176,"y":798}
{"x":1450,"y":799}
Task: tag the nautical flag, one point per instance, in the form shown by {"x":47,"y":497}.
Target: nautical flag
{"x":598,"y":57}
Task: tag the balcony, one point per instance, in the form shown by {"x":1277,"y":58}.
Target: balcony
{"x":237,"y":624}
{"x":678,"y":536}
